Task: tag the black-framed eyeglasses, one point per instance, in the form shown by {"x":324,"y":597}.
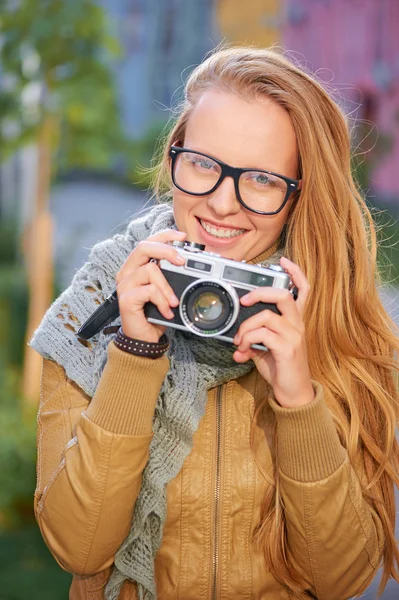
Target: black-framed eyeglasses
{"x":261,"y":192}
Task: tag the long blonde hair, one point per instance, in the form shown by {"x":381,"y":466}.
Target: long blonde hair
{"x":330,"y":234}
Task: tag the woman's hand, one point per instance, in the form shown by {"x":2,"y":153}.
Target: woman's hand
{"x":140,"y":281}
{"x":285,"y":365}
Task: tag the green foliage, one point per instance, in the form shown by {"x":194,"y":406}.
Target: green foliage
{"x":54,"y":59}
{"x":13,"y":311}
{"x":388,"y":251}
{"x":17,"y":451}
{"x":27,"y":569}
{"x":8,"y":243}
{"x":17,"y":428}
{"x":13,"y":297}
{"x":361,"y":172}
{"x":385,"y":218}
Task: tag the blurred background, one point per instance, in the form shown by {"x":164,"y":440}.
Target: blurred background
{"x":86,"y":88}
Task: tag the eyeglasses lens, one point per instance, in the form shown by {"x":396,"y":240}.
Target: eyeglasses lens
{"x":195,"y":173}
{"x":198,"y":174}
{"x":262,"y":191}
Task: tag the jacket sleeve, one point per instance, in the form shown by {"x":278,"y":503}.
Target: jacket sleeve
{"x":91,"y":455}
{"x":335,"y":538}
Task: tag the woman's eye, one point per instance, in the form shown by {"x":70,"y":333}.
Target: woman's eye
{"x":258,"y":178}
{"x":262,"y":178}
{"x":204,"y":164}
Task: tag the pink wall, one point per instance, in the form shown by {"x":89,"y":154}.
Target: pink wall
{"x":355,"y":46}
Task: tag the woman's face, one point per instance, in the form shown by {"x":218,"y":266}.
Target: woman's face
{"x":254,"y":134}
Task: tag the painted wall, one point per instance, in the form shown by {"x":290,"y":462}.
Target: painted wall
{"x":351,"y":44}
{"x":161,"y":39}
{"x":252,"y":22}
{"x":355,"y":43}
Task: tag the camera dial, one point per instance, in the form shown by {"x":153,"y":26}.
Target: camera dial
{"x":277,"y":268}
{"x":194,"y":247}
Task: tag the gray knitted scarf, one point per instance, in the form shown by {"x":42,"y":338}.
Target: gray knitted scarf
{"x":196,"y":365}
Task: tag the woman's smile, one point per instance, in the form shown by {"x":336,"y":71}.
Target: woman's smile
{"x":218,"y":235}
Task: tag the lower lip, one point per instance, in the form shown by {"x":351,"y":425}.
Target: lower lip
{"x":211,"y":240}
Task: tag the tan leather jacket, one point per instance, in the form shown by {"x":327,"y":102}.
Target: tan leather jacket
{"x":90,"y":460}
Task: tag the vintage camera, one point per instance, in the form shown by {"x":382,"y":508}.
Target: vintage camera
{"x":209,"y":288}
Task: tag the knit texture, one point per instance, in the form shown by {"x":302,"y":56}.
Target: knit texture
{"x":196,"y":365}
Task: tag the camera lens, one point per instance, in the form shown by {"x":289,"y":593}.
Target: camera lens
{"x":209,"y":307}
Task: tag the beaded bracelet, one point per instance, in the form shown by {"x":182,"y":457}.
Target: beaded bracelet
{"x":140,"y":348}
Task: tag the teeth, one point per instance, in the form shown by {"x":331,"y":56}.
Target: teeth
{"x":221,"y":233}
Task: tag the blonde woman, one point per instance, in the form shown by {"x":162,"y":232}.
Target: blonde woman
{"x":190,"y":468}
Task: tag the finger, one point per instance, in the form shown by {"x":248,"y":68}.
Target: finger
{"x":263,"y":336}
{"x":300,"y":281}
{"x":133,"y":301}
{"x":147,"y":274}
{"x":283,"y":299}
{"x":267,"y":318}
{"x":146,"y":250}
{"x":167,"y":235}
{"x":242,"y":357}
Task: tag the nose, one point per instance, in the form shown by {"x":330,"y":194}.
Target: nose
{"x":223,"y":201}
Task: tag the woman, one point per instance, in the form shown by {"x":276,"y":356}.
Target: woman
{"x":213,"y":471}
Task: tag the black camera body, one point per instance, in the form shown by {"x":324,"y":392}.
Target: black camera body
{"x":209,"y":288}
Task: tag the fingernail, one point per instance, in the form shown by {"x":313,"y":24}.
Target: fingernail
{"x":171,"y":314}
{"x":180,"y":259}
{"x":181,"y":233}
{"x":236,"y":339}
{"x":174,"y":299}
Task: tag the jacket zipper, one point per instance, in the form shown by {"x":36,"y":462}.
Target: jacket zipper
{"x":217,"y":491}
